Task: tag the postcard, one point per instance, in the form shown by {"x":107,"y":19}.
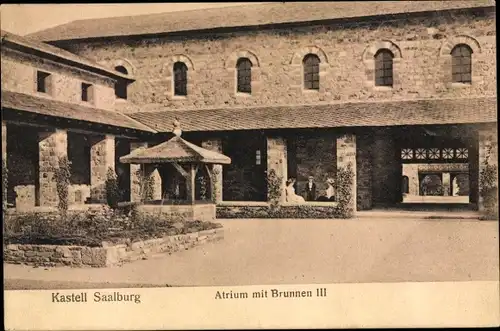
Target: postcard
{"x":250,"y":165}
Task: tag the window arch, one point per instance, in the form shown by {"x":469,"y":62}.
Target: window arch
{"x":180,"y":78}
{"x":244,"y":75}
{"x":121,"y":85}
{"x":384,"y":67}
{"x":461,"y":64}
{"x":311,"y":72}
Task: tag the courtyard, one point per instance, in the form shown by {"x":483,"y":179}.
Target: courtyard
{"x":293,"y":251}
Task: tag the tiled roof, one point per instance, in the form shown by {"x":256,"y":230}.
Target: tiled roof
{"x":175,"y":150}
{"x":387,"y":113}
{"x":49,"y":107}
{"x":239,"y":16}
{"x":14,"y":41}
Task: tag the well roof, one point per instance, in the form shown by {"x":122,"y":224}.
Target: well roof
{"x":175,"y":150}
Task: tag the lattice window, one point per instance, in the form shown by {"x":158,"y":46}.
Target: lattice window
{"x":420,"y":153}
{"x":383,"y":68}
{"x":462,"y":153}
{"x":407,"y":154}
{"x":448,"y":153}
{"x":244,"y":75}
{"x":461,"y":65}
{"x":311,"y":72}
{"x":433,"y":153}
{"x":258,"y":157}
{"x":180,"y":78}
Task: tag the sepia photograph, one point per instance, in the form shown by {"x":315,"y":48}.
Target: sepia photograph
{"x":285,"y":145}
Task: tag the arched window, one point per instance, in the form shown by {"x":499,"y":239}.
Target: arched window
{"x":383,"y":68}
{"x":244,"y":69}
{"x":461,"y":65}
{"x":180,"y":78}
{"x":121,"y":85}
{"x":311,"y":72}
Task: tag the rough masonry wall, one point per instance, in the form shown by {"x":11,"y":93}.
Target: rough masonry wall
{"x":19,"y":75}
{"x":53,"y":145}
{"x":422,"y":64}
{"x":387,"y":170}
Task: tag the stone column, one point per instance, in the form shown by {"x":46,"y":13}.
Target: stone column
{"x":135,"y":188}
{"x":215,"y":145}
{"x":102,"y":157}
{"x":346,"y":157}
{"x":488,"y":164}
{"x":277,"y":163}
{"x":411,"y":171}
{"x":151,"y":171}
{"x":446,"y":184}
{"x":364,"y":170}
{"x":52,"y":145}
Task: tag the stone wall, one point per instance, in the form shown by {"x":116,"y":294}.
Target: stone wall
{"x":19,"y":75}
{"x":420,"y":44}
{"x":387,"y":170}
{"x":109,"y":254}
{"x":197,"y":212}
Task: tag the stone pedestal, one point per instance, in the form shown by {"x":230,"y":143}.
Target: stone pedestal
{"x":277,"y":164}
{"x":52,"y":146}
{"x":102,"y":157}
{"x":216,"y":169}
{"x":346,"y":158}
{"x":135,"y":188}
{"x":446,"y":184}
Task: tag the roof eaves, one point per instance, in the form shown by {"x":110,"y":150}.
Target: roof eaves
{"x":84,"y":64}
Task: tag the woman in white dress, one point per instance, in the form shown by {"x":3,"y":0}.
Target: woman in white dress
{"x":330,"y":191}
{"x":290,"y":192}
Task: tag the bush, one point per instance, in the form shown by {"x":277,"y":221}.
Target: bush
{"x":113,"y":193}
{"x":92,"y":227}
{"x":5,"y":185}
{"x":63,"y":176}
{"x":274,"y":189}
{"x":488,"y":183}
{"x":146,"y":185}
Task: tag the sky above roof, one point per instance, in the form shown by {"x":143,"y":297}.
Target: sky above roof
{"x":23,"y":19}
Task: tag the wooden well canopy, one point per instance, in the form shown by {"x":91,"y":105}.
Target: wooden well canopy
{"x":175,"y":150}
{"x":183,"y":155}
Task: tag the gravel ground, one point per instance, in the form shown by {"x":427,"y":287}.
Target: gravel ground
{"x":271,"y":251}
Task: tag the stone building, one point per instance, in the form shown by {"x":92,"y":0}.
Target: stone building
{"x":56,"y":104}
{"x":305,"y":89}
